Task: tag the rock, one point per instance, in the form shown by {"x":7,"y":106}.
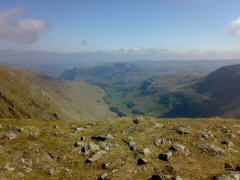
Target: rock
{"x":8,"y":167}
{"x":237,"y":126}
{"x":207,"y":134}
{"x":145,"y":151}
{"x":228,"y":176}
{"x":104,"y":176}
{"x":10,"y":136}
{"x":228,"y":143}
{"x":105,"y":165}
{"x":229,"y":167}
{"x":50,"y":170}
{"x":161,"y":141}
{"x":129,"y":141}
{"x":158,"y":176}
{"x":180,"y":148}
{"x":142,"y":161}
{"x":158,"y":125}
{"x":165,"y":156}
{"x":211,"y":149}
{"x":237,"y":167}
{"x":1,"y":126}
{"x":18,"y":128}
{"x":115,"y":170}
{"x":133,"y":148}
{"x":27,"y":170}
{"x":91,"y":147}
{"x":231,"y":150}
{"x":82,"y":138}
{"x":96,"y":156}
{"x":136,"y":121}
{"x":78,"y":129}
{"x":183,"y":130}
{"x":66,"y":170}
{"x":103,"y":137}
{"x":34,"y":135}
{"x":56,"y":127}
{"x":231,"y":135}
{"x":78,"y":144}
{"x":175,"y":178}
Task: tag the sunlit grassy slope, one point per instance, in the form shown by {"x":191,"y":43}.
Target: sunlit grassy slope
{"x":55,"y":148}
{"x":28,"y":94}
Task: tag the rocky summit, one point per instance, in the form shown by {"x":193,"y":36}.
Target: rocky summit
{"x":120,"y":149}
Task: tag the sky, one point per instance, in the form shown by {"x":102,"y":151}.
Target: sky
{"x":195,"y":28}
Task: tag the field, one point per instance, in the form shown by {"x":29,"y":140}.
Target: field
{"x":45,"y":149}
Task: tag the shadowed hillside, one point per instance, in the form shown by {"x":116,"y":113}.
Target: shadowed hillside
{"x":28,"y":94}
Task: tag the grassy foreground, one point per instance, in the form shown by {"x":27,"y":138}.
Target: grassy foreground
{"x":52,"y":155}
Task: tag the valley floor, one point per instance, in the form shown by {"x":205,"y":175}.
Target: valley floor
{"x":119,"y":149}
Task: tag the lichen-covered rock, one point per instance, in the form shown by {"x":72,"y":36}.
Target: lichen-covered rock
{"x":180,"y":148}
{"x":211,"y":149}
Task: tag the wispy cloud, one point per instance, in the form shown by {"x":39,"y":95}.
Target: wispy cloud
{"x":13,"y":28}
{"x":234,"y":28}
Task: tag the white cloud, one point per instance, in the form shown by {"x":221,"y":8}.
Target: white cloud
{"x":234,"y":28}
{"x":20,"y":30}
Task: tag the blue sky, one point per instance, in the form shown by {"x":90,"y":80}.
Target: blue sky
{"x":127,"y":25}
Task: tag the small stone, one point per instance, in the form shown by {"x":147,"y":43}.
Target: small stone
{"x":136,"y":121}
{"x":145,"y":151}
{"x":56,"y":127}
{"x":158,"y":125}
{"x":165,"y":156}
{"x":8,"y":167}
{"x":180,"y":148}
{"x":78,"y":129}
{"x":105,"y":165}
{"x":78,"y":144}
{"x":66,"y":170}
{"x":11,"y":136}
{"x":133,"y":148}
{"x":115,"y":170}
{"x":228,"y":143}
{"x":207,"y":134}
{"x":175,"y":178}
{"x":27,"y":170}
{"x":183,"y":130}
{"x":158,"y":176}
{"x":237,"y":167}
{"x":229,"y":167}
{"x":96,"y":156}
{"x":231,"y":135}
{"x":231,"y":150}
{"x":33,"y":135}
{"x":103,"y":137}
{"x":50,"y":170}
{"x":104,"y":176}
{"x":142,"y":161}
{"x":161,"y":141}
{"x":228,"y":176}
{"x":19,"y":129}
{"x":82,"y":138}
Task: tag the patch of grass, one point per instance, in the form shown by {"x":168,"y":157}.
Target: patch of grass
{"x":60,"y":143}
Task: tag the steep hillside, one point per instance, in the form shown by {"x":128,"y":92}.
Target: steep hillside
{"x":157,"y":96}
{"x":215,"y":95}
{"x":28,"y":94}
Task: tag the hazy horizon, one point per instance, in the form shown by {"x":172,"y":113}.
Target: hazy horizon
{"x":123,"y":30}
